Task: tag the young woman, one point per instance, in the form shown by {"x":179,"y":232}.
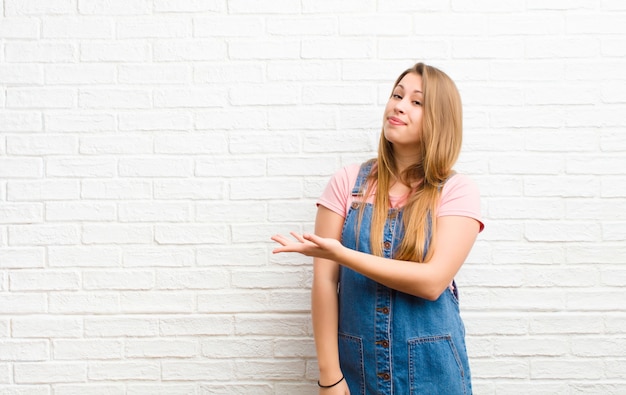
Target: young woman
{"x":390,"y":235}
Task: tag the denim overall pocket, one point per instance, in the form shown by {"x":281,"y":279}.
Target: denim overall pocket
{"x":435,"y":367}
{"x":351,"y":360}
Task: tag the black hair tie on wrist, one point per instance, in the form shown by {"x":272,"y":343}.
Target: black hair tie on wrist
{"x":332,"y":385}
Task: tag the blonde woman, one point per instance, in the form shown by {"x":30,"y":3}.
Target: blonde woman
{"x":390,"y":235}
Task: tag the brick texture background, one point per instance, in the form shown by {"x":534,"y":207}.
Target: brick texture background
{"x":149,"y":148}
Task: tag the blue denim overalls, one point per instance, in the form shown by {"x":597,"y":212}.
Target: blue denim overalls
{"x":391,"y":342}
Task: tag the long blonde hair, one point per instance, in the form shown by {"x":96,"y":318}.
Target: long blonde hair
{"x":440,"y":146}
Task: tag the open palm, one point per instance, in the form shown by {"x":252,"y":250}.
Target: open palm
{"x":309,"y":245}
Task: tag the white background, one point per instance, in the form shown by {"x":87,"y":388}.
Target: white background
{"x":149,"y":148}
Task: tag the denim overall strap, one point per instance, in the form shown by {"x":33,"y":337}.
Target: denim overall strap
{"x":361,"y":180}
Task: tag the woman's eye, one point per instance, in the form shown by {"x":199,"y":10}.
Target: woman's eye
{"x":396,"y":96}
{"x":417,"y":103}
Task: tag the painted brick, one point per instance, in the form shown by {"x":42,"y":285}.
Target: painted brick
{"x":50,"y":372}
{"x":19,"y":27}
{"x":72,"y":27}
{"x":163,"y":73}
{"x":229,"y":119}
{"x":36,"y":52}
{"x":144,"y":370}
{"x":91,"y":256}
{"x":343,"y":48}
{"x":189,"y":325}
{"x":153,"y":27}
{"x":24,"y":350}
{"x":250,"y":255}
{"x":116,"y":189}
{"x":191,"y":370}
{"x":191,"y":279}
{"x":331,"y":7}
{"x":161,"y":256}
{"x":20,"y":213}
{"x":74,"y":166}
{"x":121,"y":327}
{"x":191,"y":234}
{"x":79,"y":349}
{"x":223,"y":347}
{"x":115,"y":7}
{"x":204,"y":143}
{"x":225,"y":72}
{"x":37,"y":145}
{"x":79,"y":74}
{"x":22,"y":258}
{"x":83,"y":121}
{"x":313,"y":70}
{"x":155,"y":167}
{"x":43,"y":281}
{"x":141,"y":211}
{"x":302,"y":118}
{"x":118,"y":280}
{"x":189,"y":6}
{"x":192,"y":188}
{"x":155,"y":121}
{"x":114,"y":144}
{"x":21,"y":74}
{"x":43,"y":235}
{"x":39,"y":7}
{"x":378,"y":25}
{"x":46,"y":326}
{"x":42,"y":98}
{"x":196,"y":50}
{"x":114,"y":98}
{"x":217,"y":166}
{"x":319,"y":26}
{"x":115,"y":51}
{"x":20,"y":121}
{"x":22,"y":303}
{"x":253,"y":7}
{"x":84,"y":303}
{"x":116,"y":233}
{"x":162,"y":388}
{"x":161,"y":349}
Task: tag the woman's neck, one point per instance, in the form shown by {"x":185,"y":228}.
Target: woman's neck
{"x":404,"y":160}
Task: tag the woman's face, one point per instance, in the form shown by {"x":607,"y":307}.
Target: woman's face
{"x":402,"y":124}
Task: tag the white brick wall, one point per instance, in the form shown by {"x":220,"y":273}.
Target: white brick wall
{"x":149,"y":148}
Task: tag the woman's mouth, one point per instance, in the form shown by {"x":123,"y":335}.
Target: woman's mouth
{"x":396,"y":121}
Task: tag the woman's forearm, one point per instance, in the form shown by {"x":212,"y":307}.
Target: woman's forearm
{"x":324,"y":311}
{"x":453,"y":244}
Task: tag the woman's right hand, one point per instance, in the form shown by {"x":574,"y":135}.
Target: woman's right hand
{"x":339,"y":389}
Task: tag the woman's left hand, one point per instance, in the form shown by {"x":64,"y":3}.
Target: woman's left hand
{"x":309,"y":245}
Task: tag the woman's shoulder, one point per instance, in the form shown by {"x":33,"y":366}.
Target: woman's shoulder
{"x":459,"y":182}
{"x":337,"y":196}
{"x":350,"y":172}
{"x":460,"y":196}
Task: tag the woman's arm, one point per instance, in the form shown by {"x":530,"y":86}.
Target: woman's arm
{"x":324,"y":303}
{"x":453,"y":242}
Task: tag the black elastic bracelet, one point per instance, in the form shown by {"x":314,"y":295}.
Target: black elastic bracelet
{"x":332,"y":385}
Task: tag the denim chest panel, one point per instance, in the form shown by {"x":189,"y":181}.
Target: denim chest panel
{"x":391,"y":342}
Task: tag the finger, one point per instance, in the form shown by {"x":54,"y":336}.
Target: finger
{"x":293,"y":247}
{"x":280,"y":239}
{"x":297,"y":236}
{"x":312,"y":238}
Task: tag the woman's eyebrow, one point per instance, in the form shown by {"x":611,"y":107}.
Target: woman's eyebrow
{"x":415,"y":91}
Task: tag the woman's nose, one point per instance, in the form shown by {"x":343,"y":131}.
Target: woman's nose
{"x":399,"y":107}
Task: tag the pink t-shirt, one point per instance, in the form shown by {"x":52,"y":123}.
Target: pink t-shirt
{"x":460,"y":195}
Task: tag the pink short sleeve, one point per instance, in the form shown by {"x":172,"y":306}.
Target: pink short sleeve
{"x":337,"y":195}
{"x":460,"y":196}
